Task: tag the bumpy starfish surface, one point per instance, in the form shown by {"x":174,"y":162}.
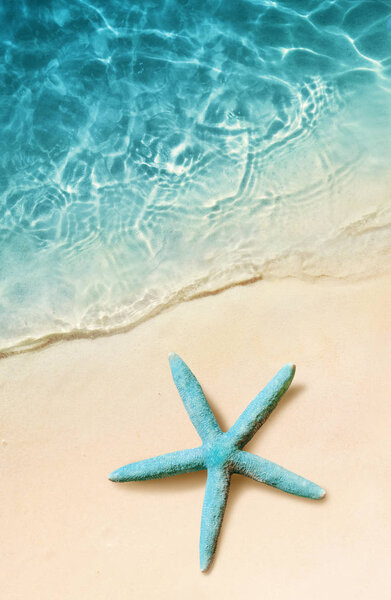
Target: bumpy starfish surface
{"x":221,"y":453}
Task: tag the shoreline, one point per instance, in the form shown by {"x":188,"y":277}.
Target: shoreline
{"x":184,"y":295}
{"x":74,"y":412}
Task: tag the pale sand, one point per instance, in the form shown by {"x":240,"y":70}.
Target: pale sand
{"x":74,"y":412}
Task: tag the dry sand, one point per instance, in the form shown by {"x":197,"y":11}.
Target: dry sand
{"x":75,"y":411}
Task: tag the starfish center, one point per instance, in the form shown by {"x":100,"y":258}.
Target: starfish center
{"x":219,"y":452}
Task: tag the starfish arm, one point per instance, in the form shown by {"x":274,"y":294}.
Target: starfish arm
{"x":216,"y":493}
{"x":265,"y":471}
{"x":194,"y":400}
{"x":260,"y":408}
{"x":165,"y":465}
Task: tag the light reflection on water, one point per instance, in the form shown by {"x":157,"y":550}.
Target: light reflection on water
{"x":152,"y":150}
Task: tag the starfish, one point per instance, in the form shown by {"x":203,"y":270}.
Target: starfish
{"x":221,"y":453}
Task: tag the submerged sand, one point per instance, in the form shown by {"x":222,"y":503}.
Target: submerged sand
{"x":75,"y":411}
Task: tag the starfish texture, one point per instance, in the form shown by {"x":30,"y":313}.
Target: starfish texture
{"x":221,"y":453}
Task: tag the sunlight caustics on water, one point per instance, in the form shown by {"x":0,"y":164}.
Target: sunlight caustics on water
{"x":153,"y":150}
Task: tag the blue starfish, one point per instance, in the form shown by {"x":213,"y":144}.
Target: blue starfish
{"x":221,"y":453}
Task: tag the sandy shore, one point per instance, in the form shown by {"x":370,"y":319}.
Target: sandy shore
{"x":74,"y":412}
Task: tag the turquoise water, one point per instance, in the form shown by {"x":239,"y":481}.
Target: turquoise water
{"x":150,"y":151}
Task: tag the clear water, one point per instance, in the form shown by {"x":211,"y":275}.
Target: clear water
{"x":153,"y":150}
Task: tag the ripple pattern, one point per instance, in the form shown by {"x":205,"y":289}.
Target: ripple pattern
{"x":152,"y":151}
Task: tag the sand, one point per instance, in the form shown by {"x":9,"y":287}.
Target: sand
{"x":75,"y":411}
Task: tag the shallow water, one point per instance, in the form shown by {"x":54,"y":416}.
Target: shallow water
{"x":152,"y":151}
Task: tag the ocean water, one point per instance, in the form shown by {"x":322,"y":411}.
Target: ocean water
{"x":152,"y":151}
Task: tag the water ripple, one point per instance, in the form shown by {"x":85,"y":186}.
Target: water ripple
{"x":152,"y":151}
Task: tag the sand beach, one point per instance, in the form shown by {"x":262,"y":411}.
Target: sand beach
{"x":73,"y":412}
